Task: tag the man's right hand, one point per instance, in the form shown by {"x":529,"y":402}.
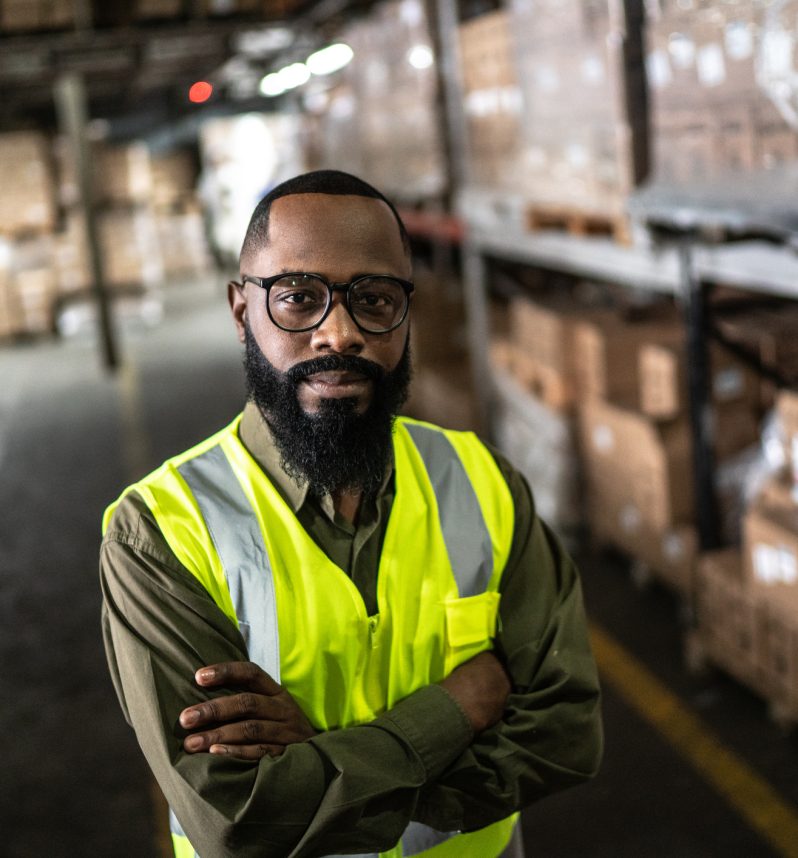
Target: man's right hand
{"x":481,"y":687}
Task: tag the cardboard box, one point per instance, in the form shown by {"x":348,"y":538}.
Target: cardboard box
{"x":36,"y":291}
{"x":146,"y":9}
{"x":729,"y":616}
{"x":770,"y":545}
{"x":636,"y":463}
{"x":606,"y":350}
{"x":778,"y":656}
{"x":663,"y":380}
{"x":444,"y":394}
{"x":11,"y":321}
{"x":183,"y":244}
{"x":174,"y":179}
{"x":27,"y":203}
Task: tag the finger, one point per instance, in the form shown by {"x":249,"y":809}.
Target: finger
{"x":243,"y":733}
{"x":248,"y":752}
{"x":237,"y":673}
{"x":233,"y":707}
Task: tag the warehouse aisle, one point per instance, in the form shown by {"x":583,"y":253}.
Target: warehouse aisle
{"x":74,"y":783}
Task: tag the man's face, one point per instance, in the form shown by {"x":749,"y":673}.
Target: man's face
{"x":339,"y":237}
{"x":330,"y":395}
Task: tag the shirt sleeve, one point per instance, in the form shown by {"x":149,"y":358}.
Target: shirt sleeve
{"x":550,"y":736}
{"x":354,"y":789}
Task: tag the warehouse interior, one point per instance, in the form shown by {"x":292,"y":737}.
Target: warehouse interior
{"x":600,"y":196}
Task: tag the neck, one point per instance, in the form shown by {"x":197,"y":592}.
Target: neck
{"x":347,"y":504}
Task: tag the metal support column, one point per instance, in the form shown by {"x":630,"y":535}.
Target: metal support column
{"x":444,"y":27}
{"x":701,"y":412}
{"x":477,"y":318}
{"x":70,"y":99}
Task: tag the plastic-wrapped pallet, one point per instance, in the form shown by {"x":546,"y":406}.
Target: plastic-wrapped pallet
{"x":540,"y":442}
{"x":581,"y":79}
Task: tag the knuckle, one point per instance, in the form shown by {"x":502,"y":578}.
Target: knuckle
{"x":247,"y":703}
{"x":252,"y":729}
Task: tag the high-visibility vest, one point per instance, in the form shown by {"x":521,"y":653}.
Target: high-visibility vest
{"x":445,"y":547}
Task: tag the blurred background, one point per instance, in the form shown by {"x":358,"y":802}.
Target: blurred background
{"x":601,"y":197}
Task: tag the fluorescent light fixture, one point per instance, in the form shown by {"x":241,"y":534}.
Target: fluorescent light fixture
{"x":420,"y":57}
{"x":294,"y":75}
{"x":330,"y":59}
{"x":272,"y":85}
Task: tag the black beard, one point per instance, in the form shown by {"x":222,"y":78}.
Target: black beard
{"x":335,"y":449}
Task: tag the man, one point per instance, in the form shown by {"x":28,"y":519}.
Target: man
{"x":334,"y":631}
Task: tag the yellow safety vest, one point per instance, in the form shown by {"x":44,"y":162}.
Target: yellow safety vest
{"x":445,"y":547}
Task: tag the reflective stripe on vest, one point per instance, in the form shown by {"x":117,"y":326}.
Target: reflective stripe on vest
{"x":457,"y":502}
{"x":239,"y":543}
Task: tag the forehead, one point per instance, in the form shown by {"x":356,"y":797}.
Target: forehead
{"x":337,"y":235}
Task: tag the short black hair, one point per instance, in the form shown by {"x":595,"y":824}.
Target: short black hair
{"x":315,"y":182}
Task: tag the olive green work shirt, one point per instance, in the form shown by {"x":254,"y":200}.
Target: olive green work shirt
{"x":353,"y":789}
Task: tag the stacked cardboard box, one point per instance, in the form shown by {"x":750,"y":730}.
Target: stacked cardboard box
{"x":27,"y":203}
{"x":183,"y":243}
{"x":173,"y":180}
{"x":581,"y":77}
{"x":22,"y":15}
{"x":146,"y":9}
{"x":442,"y":389}
{"x":121,"y":175}
{"x":492,"y":99}
{"x":711,"y":115}
{"x":747,"y":602}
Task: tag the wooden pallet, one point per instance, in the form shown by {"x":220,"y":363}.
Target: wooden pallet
{"x":577,"y":222}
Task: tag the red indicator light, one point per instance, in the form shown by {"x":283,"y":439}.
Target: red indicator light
{"x":200,"y":91}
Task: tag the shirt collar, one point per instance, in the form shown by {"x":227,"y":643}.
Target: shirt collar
{"x":257,"y":437}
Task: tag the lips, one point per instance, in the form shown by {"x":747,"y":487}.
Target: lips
{"x":337,"y":383}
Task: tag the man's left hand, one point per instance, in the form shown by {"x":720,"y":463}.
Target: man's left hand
{"x":261,"y":720}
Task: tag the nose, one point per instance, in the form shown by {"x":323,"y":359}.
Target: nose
{"x":338,"y":332}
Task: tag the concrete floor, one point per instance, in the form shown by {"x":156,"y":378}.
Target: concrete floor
{"x":74,"y":783}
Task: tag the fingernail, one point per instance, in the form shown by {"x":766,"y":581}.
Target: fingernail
{"x":206,"y":674}
{"x":194,"y":743}
{"x":189,"y":717}
{"x":219,"y":749}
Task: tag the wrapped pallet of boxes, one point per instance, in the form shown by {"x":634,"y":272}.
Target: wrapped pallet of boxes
{"x":710,"y":67}
{"x":541,"y":443}
{"x":639,"y":479}
{"x":183,"y":243}
{"x":381,"y":121}
{"x":121,"y":174}
{"x":129,"y":247}
{"x":771,"y":552}
{"x":492,"y":100}
{"x":10,"y":320}
{"x":584,"y":134}
{"x":173,"y":180}
{"x":27,"y":203}
{"x":729,"y":617}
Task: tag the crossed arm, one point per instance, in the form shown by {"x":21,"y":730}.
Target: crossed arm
{"x":432,"y":758}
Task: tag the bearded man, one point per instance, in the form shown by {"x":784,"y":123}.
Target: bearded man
{"x":335,"y":630}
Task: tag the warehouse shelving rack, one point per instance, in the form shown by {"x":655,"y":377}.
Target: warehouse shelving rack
{"x":680,"y":261}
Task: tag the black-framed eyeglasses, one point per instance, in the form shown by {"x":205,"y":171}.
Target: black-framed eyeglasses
{"x":301,"y":301}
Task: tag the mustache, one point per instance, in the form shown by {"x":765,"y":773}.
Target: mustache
{"x":335,"y":363}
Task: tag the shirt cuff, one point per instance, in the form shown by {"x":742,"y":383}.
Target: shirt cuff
{"x":434,"y":725}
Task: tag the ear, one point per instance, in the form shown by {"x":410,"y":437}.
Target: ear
{"x":237,"y":298}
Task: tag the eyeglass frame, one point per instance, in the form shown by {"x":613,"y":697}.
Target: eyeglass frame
{"x":266,"y":284}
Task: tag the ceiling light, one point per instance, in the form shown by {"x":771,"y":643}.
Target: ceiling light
{"x":420,"y":56}
{"x":294,"y":75}
{"x":272,"y":85}
{"x":330,"y":59}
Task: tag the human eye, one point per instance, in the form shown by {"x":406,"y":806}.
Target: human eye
{"x":297,"y":292}
{"x":377,"y":293}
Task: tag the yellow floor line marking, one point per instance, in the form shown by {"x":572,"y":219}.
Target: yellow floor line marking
{"x":749,"y":794}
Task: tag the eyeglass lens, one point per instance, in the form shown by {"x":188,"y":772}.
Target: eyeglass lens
{"x":298,"y":302}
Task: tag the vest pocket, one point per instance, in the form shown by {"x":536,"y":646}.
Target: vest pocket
{"x":470,"y":627}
